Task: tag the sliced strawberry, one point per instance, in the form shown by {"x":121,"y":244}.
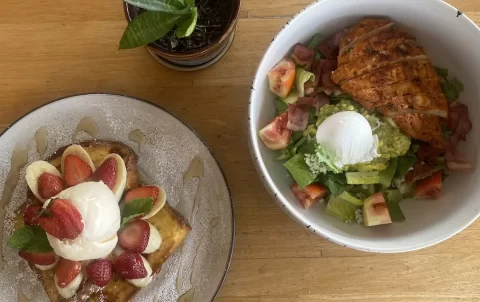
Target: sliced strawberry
{"x":134,"y":236}
{"x":107,"y":173}
{"x":142,"y":192}
{"x":30,"y":214}
{"x":310,"y":195}
{"x":66,"y":271}
{"x":429,"y":188}
{"x":130,"y":266}
{"x":100,"y":271}
{"x":76,"y":170}
{"x":61,"y":219}
{"x":40,"y":259}
{"x":50,"y":185}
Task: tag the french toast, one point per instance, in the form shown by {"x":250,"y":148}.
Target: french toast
{"x":172,"y":227}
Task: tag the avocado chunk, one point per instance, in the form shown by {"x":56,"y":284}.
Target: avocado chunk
{"x":375,"y":211}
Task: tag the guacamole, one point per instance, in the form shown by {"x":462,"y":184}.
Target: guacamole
{"x":392,"y":142}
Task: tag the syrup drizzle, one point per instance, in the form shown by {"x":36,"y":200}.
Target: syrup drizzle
{"x":87,"y":125}
{"x":41,"y":138}
{"x":18,"y":161}
{"x":138,"y":137}
{"x":196,"y":170}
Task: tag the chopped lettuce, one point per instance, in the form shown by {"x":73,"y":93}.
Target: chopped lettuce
{"x":292,"y":97}
{"x":301,"y":77}
{"x":280,"y":107}
{"x":342,"y":209}
{"x":441,"y":72}
{"x":404,"y":163}
{"x":315,"y":41}
{"x":352,"y":199}
{"x":452,"y":89}
{"x":336,"y":183}
{"x":386,"y":176}
{"x":306,"y":145}
{"x":363,"y":178}
{"x":394,"y":197}
{"x":300,"y":171}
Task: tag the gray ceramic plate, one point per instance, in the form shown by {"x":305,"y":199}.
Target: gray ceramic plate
{"x":169,"y":151}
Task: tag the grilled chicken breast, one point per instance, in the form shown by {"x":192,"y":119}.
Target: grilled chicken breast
{"x":383,"y":69}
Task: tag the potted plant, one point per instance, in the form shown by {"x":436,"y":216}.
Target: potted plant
{"x":181,"y":34}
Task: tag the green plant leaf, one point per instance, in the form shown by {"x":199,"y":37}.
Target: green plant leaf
{"x":186,"y":27}
{"x":146,"y":28}
{"x":135,"y":208}
{"x":190,"y":3}
{"x":168,"y":6}
{"x":32,"y":239}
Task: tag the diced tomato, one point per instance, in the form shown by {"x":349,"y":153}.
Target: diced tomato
{"x":275,"y":135}
{"x":429,"y":188}
{"x":281,"y":77}
{"x":310,"y":195}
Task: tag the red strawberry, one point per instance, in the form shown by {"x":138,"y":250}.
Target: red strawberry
{"x":107,"y":173}
{"x":100,"y":271}
{"x":142,"y":192}
{"x":75,"y":170}
{"x":134,"y":236}
{"x":61,"y":219}
{"x":30,"y":214}
{"x":40,"y":259}
{"x":66,"y":271}
{"x":130,"y":266}
{"x":50,"y":185}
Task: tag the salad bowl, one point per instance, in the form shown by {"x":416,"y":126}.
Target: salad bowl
{"x":441,"y":30}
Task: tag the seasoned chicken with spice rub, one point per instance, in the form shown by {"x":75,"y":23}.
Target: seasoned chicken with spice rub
{"x":384,"y":69}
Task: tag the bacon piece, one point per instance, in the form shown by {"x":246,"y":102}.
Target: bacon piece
{"x":323,"y":74}
{"x":329,"y":48}
{"x":454,"y":159}
{"x":459,"y":122}
{"x":428,"y":154}
{"x":420,"y":171}
{"x":297,"y":118}
{"x":303,"y":56}
{"x":305,"y":102}
{"x":321,"y":100}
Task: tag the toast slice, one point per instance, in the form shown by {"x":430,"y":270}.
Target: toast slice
{"x":172,"y":227}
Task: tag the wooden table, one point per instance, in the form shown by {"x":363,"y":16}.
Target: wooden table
{"x":50,"y":49}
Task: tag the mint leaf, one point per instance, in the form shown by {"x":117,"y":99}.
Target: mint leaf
{"x":32,"y":239}
{"x":146,"y":28}
{"x":187,"y":26}
{"x":135,"y":208}
{"x":167,"y":6}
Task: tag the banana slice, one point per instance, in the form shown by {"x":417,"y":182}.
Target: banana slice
{"x":120,"y":175}
{"x":80,"y":152}
{"x":33,"y":172}
{"x":157,"y":204}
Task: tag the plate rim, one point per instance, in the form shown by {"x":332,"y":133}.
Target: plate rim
{"x":232,"y":205}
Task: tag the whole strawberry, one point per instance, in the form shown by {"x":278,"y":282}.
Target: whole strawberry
{"x":100,"y":272}
{"x":61,"y":219}
{"x":129,"y":265}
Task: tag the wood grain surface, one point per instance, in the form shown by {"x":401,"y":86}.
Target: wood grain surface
{"x":51,"y":49}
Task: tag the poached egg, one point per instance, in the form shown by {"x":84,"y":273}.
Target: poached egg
{"x":348,"y":138}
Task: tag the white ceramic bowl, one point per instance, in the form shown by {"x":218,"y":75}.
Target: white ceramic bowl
{"x":451,"y":41}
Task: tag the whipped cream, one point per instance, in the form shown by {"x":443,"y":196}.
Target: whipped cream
{"x":101,"y":217}
{"x":48,"y":266}
{"x":142,"y":282}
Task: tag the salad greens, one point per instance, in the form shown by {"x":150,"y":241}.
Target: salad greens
{"x":353,"y":192}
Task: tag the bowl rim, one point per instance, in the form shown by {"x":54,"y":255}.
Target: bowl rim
{"x":278,"y":196}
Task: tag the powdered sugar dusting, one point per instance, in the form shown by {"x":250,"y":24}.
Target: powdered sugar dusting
{"x":166,"y":156}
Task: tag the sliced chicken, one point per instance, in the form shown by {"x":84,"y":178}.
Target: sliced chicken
{"x":374,"y":61}
{"x":362,"y":30}
{"x":382,"y":42}
{"x":423,"y":127}
{"x":383,"y":69}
